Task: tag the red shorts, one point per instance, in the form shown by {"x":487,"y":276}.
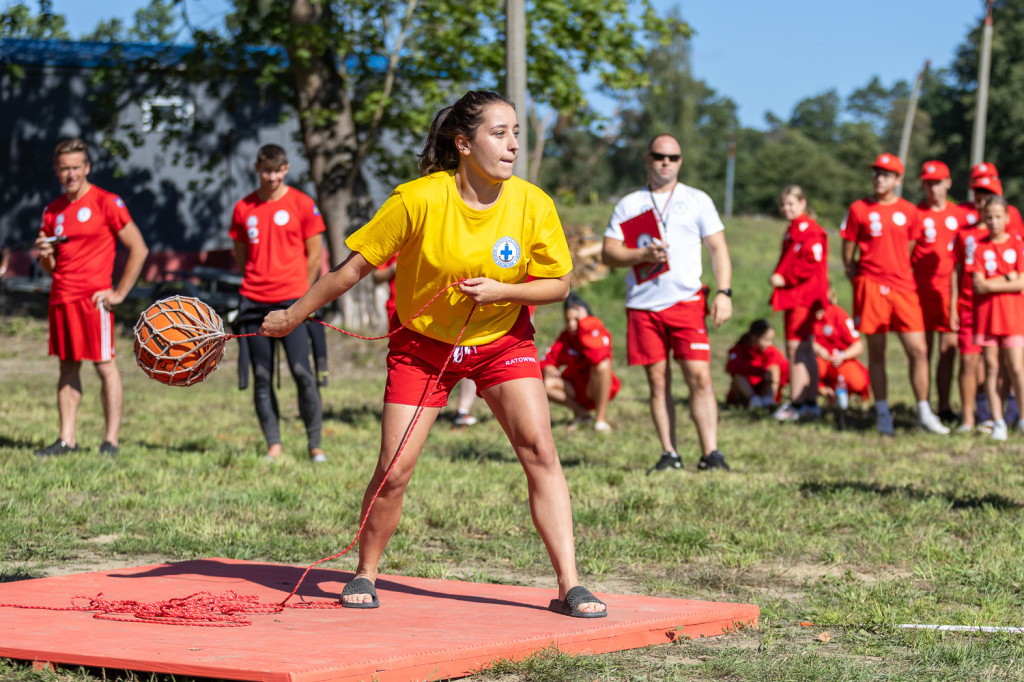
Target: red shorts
{"x":580,"y":382}
{"x":79,"y":331}
{"x":879,"y":309}
{"x":965,"y":336}
{"x":649,"y":334}
{"x":799,"y":323}
{"x":935,"y":308}
{"x":415,"y":361}
{"x":858,"y":382}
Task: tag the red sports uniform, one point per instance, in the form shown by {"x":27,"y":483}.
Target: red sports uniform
{"x":999,"y":314}
{"x":753,"y":363}
{"x":803,"y":263}
{"x":834,"y":330}
{"x":885,"y":293}
{"x":84,"y":265}
{"x":933,"y":260}
{"x":578,"y":353}
{"x":274,"y":231}
{"x":964,"y":249}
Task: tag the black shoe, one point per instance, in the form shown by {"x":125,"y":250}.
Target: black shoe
{"x":714,"y":460}
{"x":947,"y":416}
{"x":108,"y":448}
{"x":669,"y":460}
{"x":56,"y":449}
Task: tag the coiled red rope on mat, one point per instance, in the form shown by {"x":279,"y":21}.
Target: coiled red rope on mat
{"x":204,"y":609}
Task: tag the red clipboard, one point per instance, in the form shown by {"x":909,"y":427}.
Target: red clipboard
{"x":638,"y":233}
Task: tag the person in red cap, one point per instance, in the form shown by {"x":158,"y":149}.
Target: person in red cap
{"x":985,"y":183}
{"x":799,"y":286}
{"x":577,"y":367}
{"x":878,"y":234}
{"x":933,"y":261}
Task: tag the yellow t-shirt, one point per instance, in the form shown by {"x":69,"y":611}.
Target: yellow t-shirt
{"x":440,"y":240}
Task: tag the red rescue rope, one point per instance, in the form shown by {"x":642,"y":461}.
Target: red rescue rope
{"x":204,"y":609}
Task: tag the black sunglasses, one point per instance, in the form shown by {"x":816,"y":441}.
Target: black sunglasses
{"x":661,"y":157}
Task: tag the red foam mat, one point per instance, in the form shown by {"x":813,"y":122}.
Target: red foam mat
{"x":424,"y":629}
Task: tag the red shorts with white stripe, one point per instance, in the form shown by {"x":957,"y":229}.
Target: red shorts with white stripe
{"x":80,"y":331}
{"x":650,"y":334}
{"x":415,"y":361}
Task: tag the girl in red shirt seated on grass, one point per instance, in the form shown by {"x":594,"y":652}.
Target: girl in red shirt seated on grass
{"x":758,"y":369}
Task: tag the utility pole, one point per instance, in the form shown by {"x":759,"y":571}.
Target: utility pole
{"x":981,"y":108}
{"x":730,"y":178}
{"x":908,"y":124}
{"x":515,"y":75}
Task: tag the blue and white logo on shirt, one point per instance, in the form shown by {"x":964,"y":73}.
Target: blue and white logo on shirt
{"x":506,"y":252}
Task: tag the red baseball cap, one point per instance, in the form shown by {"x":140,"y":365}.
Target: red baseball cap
{"x":985,"y":169}
{"x":988,"y":182}
{"x":889,"y":162}
{"x":934,"y":170}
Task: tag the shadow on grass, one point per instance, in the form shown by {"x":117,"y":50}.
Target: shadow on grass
{"x":474,"y":451}
{"x":20,"y":443}
{"x":356,"y":415}
{"x":16,"y":575}
{"x":955,"y":501}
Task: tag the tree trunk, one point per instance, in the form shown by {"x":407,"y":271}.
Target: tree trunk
{"x":329,"y":135}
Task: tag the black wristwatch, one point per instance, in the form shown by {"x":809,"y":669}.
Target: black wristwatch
{"x":727,"y":292}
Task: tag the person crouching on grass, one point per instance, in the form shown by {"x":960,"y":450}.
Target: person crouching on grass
{"x":758,"y":369}
{"x":999,"y":308}
{"x":584,"y":350}
{"x":470,"y":223}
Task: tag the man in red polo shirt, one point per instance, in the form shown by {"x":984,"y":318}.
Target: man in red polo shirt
{"x":878,"y":235}
{"x":77,"y":244}
{"x":933,"y":260}
{"x":277,"y":232}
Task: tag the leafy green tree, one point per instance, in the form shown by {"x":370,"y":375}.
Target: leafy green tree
{"x":158,"y":22}
{"x":1004,"y":130}
{"x":19,"y":21}
{"x":361,"y":69}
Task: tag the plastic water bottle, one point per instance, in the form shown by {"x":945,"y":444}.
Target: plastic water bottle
{"x":842,"y":395}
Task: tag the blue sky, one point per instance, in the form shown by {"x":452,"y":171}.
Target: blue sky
{"x":765,"y":55}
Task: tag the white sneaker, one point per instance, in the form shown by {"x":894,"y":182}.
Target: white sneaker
{"x":986,"y":426}
{"x":884,"y":424}
{"x":929,"y":422}
{"x":602,"y":427}
{"x":999,"y":431}
{"x":786,"y":413}
{"x":964,"y":428}
{"x":464,"y":419}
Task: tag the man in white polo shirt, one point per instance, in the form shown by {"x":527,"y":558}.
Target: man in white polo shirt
{"x":666,"y":307}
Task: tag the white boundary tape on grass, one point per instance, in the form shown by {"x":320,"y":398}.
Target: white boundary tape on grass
{"x":964,"y":628}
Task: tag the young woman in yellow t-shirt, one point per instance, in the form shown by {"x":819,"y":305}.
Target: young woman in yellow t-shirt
{"x":467,"y":220}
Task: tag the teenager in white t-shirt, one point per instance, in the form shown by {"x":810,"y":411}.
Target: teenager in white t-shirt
{"x":667,"y":313}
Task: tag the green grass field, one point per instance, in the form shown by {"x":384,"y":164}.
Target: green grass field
{"x":839,"y":536}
